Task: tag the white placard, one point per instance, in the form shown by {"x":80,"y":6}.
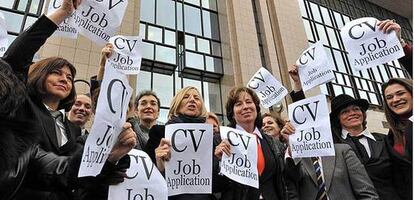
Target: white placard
{"x":65,"y":29}
{"x":314,"y":67}
{"x":126,"y":56}
{"x":241,"y":165}
{"x":267,"y":87}
{"x":367,"y":45}
{"x":110,"y":117}
{"x":4,"y":41}
{"x":313,"y":136}
{"x":189,"y":170}
{"x":99,"y":20}
{"x":143,"y":180}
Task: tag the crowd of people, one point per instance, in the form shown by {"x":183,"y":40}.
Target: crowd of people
{"x":43,"y":120}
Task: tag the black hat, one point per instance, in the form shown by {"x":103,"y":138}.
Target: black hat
{"x":342,"y":101}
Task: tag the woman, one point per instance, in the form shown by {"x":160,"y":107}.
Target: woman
{"x":272,"y":126}
{"x":398,"y":97}
{"x":187,"y":106}
{"x":213,"y":120}
{"x":26,"y":120}
{"x":243,"y":112}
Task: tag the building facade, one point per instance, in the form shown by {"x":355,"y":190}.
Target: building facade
{"x":217,"y":44}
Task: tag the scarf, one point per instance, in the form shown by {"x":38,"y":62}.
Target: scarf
{"x":185,"y":119}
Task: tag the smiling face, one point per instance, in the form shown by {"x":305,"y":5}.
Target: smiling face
{"x":81,"y":111}
{"x":58,"y":84}
{"x":244,"y":109}
{"x":398,"y":99}
{"x":147,"y":109}
{"x":270,"y":127}
{"x":191,"y":104}
{"x":351,"y":117}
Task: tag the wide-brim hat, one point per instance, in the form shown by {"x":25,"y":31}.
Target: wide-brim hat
{"x":342,"y":101}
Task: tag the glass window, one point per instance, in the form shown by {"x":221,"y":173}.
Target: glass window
{"x":142,"y":29}
{"x":349,"y":91}
{"x":209,"y":4}
{"x":22,"y":5}
{"x":373,"y":97}
{"x":192,"y":20}
{"x":165,"y":54}
{"x":194,"y":2}
{"x":216,"y":48}
{"x":163,"y":115}
{"x":302,"y":8}
{"x":363,"y":94}
{"x":325,"y":15}
{"x":315,"y":12}
{"x":169,"y":37}
{"x":338,"y":19}
{"x":165,"y":9}
{"x":194,"y":60}
{"x":148,"y":50}
{"x":203,"y":45}
{"x":308,"y":30}
{"x":13,"y":21}
{"x":339,"y":79}
{"x":210,"y":25}
{"x":324,"y":89}
{"x":194,"y":83}
{"x":212,"y":97}
{"x":190,"y":42}
{"x":322,"y":35}
{"x":155,"y":34}
{"x":180,"y":16}
{"x":383,"y":72}
{"x":163,"y":87}
{"x":6,"y":4}
{"x":337,"y":89}
{"x":34,"y":7}
{"x":143,"y":81}
{"x":209,"y":63}
{"x":29,"y":21}
{"x":339,"y":61}
{"x":332,"y":37}
{"x":148,"y":10}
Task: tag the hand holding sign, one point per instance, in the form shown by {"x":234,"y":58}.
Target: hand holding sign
{"x":367,"y":45}
{"x":163,"y":153}
{"x":127,"y":139}
{"x":223,"y":147}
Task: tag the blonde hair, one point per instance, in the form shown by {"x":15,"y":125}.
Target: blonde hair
{"x":213,"y":116}
{"x":178,"y":98}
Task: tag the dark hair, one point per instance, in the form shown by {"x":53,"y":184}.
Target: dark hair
{"x":12,"y":91}
{"x":396,"y":125}
{"x":147,"y":93}
{"x":38,"y":73}
{"x":232,"y":99}
{"x":279,"y":121}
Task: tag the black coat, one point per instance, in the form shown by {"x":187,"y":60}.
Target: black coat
{"x":402,"y":165}
{"x":271,"y":183}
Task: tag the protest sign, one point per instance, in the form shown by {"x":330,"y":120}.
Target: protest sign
{"x":241,"y":165}
{"x":367,"y":45}
{"x":314,"y":67}
{"x":313,"y":136}
{"x":110,"y":117}
{"x":190,"y":167}
{"x":99,"y":20}
{"x":143,"y":180}
{"x":65,"y":29}
{"x":4,"y":41}
{"x":126,"y":56}
{"x":267,"y":87}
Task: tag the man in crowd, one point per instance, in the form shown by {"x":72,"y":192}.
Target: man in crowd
{"x":81,"y":112}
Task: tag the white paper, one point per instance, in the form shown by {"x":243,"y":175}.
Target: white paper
{"x":367,"y":45}
{"x":126,"y":57}
{"x":313,"y":136}
{"x":314,"y":67}
{"x":267,"y":87}
{"x":65,"y":29}
{"x":143,"y":180}
{"x":99,"y":20}
{"x":4,"y":41}
{"x":110,"y":116}
{"x":189,"y":170}
{"x":241,"y":165}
